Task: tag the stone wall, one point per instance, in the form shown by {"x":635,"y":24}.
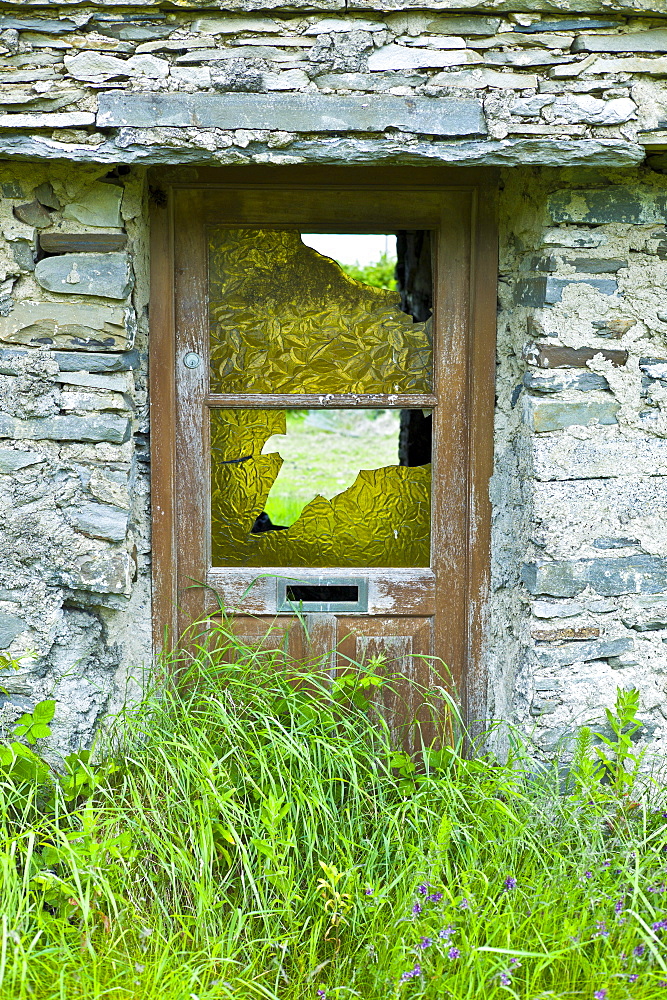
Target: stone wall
{"x":569,"y":99}
{"x":74,"y":537}
{"x":580,"y":488}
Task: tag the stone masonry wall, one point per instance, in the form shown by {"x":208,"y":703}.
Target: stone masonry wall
{"x":74,"y":537}
{"x":580,"y":487}
{"x":570,"y":100}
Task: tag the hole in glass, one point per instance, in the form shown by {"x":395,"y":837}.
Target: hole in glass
{"x":316,"y":488}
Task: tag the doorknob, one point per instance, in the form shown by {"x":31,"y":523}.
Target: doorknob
{"x":192,"y":360}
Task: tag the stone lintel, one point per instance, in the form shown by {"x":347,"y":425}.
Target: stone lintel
{"x":156,"y":147}
{"x":294,"y":112}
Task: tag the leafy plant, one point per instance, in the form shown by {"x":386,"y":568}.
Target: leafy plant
{"x":381,"y":274}
{"x":612,"y":769}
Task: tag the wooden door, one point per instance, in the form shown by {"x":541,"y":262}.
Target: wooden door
{"x":222,"y":235}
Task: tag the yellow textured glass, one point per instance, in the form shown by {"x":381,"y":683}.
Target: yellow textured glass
{"x":383,"y":519}
{"x":285,"y":319}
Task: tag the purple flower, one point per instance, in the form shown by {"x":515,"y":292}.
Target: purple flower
{"x":505,"y":979}
{"x":660,"y":925}
{"x":633,"y":978}
{"x":606,"y":864}
{"x":599,"y":995}
{"x":638,"y":951}
{"x":368,"y":892}
{"x":601,"y":929}
{"x":322,"y":994}
{"x":423,"y":888}
{"x":417,"y":908}
{"x":464,"y":905}
{"x":510,"y":883}
{"x":411,"y":973}
{"x":446,"y":933}
{"x":453,"y":953}
{"x":426,"y":942}
{"x":618,"y":906}
{"x":662,"y":982}
{"x":588,"y":875}
{"x":435,"y":897}
{"x":515,"y":961}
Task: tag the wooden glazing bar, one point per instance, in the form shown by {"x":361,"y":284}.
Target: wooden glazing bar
{"x":323,"y":402}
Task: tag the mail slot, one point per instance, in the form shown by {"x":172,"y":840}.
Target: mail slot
{"x":347,"y":595}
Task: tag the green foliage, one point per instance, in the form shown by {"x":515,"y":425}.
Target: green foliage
{"x":256,"y":833}
{"x":610,"y":771}
{"x":382,"y":274}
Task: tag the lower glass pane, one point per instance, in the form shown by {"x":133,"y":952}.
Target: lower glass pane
{"x":318,"y":488}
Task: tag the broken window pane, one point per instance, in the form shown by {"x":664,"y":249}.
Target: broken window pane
{"x":315,"y":497}
{"x":284,"y":318}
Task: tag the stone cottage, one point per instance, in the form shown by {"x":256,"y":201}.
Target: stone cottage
{"x":158,"y":162}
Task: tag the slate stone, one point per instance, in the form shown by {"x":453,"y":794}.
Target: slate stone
{"x":479,"y":78}
{"x":464,"y":25}
{"x":111,"y":383}
{"x":142,"y":148}
{"x":638,"y":574}
{"x":543,"y":706}
{"x":614,"y":543}
{"x":97,"y":427}
{"x":391,"y":57}
{"x":655,"y":368}
{"x":653,"y":40}
{"x":368,"y":81}
{"x":46,"y":196}
{"x":10,"y":361}
{"x":76,"y":361}
{"x":50,"y":120}
{"x":103,"y":573}
{"x":99,"y":520}
{"x":582,"y":652}
{"x":33,"y":214}
{"x":529,"y":57}
{"x":24,"y":255}
{"x":567,"y":24}
{"x":570,"y":357}
{"x":98,"y":206}
{"x":133,"y":32}
{"x":590,"y":265}
{"x":49,"y":26}
{"x":575,"y":108}
{"x":294,"y":112}
{"x":556,"y":609}
{"x":94,"y":67}
{"x":606,"y":205}
{"x":539,"y":290}
{"x":107,"y":275}
{"x":12,"y":460}
{"x":559,"y":380}
{"x":92,"y":326}
{"x":10,"y":628}
{"x":554,"y":415}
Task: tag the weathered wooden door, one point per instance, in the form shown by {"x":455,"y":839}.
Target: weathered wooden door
{"x":249,"y":325}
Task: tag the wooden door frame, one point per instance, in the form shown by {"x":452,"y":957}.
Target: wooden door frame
{"x":472,"y":412}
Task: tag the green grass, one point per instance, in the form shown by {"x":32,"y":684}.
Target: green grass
{"x":253,"y":834}
{"x":323,"y":452}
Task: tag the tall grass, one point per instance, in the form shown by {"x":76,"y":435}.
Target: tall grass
{"x":250,"y":836}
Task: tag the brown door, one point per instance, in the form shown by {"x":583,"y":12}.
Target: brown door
{"x":267,"y":356}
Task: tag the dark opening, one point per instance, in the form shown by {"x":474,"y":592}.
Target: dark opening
{"x":322,"y":593}
{"x":415,"y":284}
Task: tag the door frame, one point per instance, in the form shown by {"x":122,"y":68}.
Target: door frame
{"x":470,"y":412}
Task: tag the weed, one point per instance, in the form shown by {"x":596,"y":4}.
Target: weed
{"x":254,"y":833}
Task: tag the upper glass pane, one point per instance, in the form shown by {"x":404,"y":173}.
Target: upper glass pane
{"x":285,"y":319}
